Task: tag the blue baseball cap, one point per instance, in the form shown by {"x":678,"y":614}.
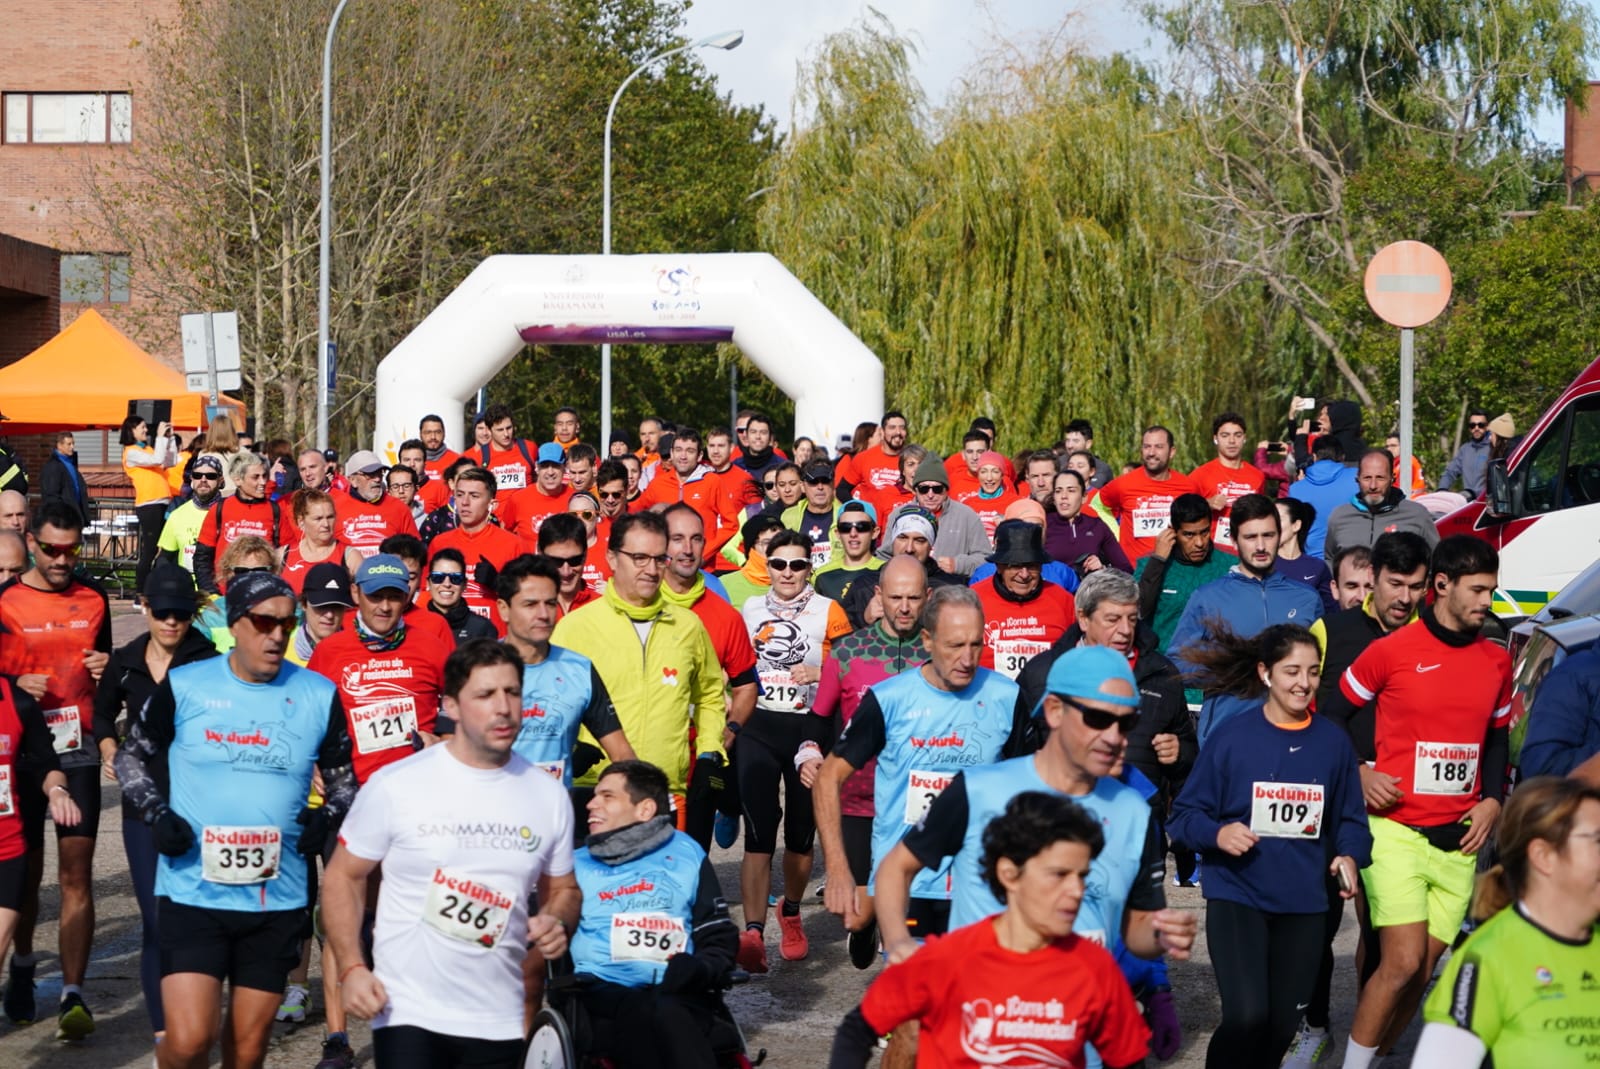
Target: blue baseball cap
{"x":855,"y":504}
{"x":1083,"y":672}
{"x":551,"y":453}
{"x":383,"y":571}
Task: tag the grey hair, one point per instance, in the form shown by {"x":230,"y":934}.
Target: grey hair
{"x":1107,"y":584}
{"x":961,"y":597}
{"x":243,"y":462}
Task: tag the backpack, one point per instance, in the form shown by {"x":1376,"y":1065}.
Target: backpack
{"x":277,"y":516}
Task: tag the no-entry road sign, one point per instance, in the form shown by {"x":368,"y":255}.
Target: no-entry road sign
{"x":1408,"y":283}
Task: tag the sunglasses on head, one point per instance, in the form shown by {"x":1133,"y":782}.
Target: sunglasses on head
{"x":1100,"y":720}
{"x":265,"y":623}
{"x":452,"y":578}
{"x":567,"y":562}
{"x":930,"y":488}
{"x":860,"y":527}
{"x":788,"y":564}
{"x":59,"y":549}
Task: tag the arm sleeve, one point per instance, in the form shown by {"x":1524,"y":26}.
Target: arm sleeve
{"x":333,"y":758}
{"x":1496,"y":756}
{"x":600,"y":715}
{"x":1554,"y":743}
{"x":38,"y":747}
{"x":1147,"y":895}
{"x":205,"y":576}
{"x":1151,"y":571}
{"x":853,"y":1043}
{"x":864,"y":737}
{"x":141,"y":759}
{"x":943,"y":827}
{"x":830,"y":688}
{"x":716,"y":939}
{"x":710,"y":701}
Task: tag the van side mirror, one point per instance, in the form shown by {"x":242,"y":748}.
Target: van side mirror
{"x":1502,"y":489}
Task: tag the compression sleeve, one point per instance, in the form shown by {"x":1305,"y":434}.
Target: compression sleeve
{"x":600,"y":716}
{"x":1148,"y":894}
{"x":1496,"y":755}
{"x":107,"y":696}
{"x":943,"y":827}
{"x":333,"y":758}
{"x":205,"y":560}
{"x":716,"y":939}
{"x":830,"y":688}
{"x":864,"y":737}
{"x":140,"y":761}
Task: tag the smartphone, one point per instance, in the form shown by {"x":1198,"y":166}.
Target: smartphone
{"x":1304,"y":404}
{"x":1345,"y":883}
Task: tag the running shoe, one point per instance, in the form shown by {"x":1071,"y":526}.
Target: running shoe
{"x":792,"y":944}
{"x":1310,"y":1047}
{"x":752,"y":957}
{"x":75,"y":1022}
{"x":863,"y":946}
{"x":336,"y":1054}
{"x":725,"y":830}
{"x":19,"y":1005}
{"x":296,"y":1003}
{"x":1179,"y":881}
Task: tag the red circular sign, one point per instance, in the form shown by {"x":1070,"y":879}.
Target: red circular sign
{"x":1408,"y":283}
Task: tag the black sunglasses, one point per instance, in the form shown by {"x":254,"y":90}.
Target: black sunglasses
{"x":769,"y":486}
{"x":863,"y":527}
{"x":1100,"y":720}
{"x":452,"y":578}
{"x":817,"y":480}
{"x":929,"y":488}
{"x":1476,"y":425}
{"x":169,"y":615}
{"x":569,"y":562}
{"x":788,"y":564}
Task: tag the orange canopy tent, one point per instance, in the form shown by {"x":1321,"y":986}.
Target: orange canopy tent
{"x":85,"y":376}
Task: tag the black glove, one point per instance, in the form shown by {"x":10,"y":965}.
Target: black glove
{"x":584,"y":757}
{"x":173,"y":835}
{"x":485,"y":575}
{"x":685,"y":972}
{"x":713,"y":768}
{"x":316,"y":824}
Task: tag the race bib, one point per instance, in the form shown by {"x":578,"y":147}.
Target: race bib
{"x":557,"y":769}
{"x":1150,"y":522}
{"x":820,"y":552}
{"x":510,"y":477}
{"x":465,"y":909}
{"x":7,"y":806}
{"x":1224,"y":535}
{"x":1097,"y":936}
{"x":780,"y":692}
{"x":1445,"y":768}
{"x":1012,"y":655}
{"x":234,"y":854}
{"x":66,"y":730}
{"x":652,"y":937}
{"x":1286,"y":810}
{"x":384,"y":725}
{"x":922,"y":787}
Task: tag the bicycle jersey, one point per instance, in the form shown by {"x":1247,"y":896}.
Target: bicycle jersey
{"x":1142,"y":507}
{"x":1532,"y":997}
{"x":387,"y":695}
{"x":239,"y":760}
{"x":1438,"y":694}
{"x":47,"y":632}
{"x":462,"y":849}
{"x":296,"y":566}
{"x":560,"y":694}
{"x":785,"y":636}
{"x":1214,"y":477}
{"x":922,"y":736}
{"x":638,"y":913}
{"x":23,"y":734}
{"x":1015,"y":632}
{"x":954,"y":829}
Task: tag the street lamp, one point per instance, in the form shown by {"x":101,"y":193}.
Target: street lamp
{"x":322,"y":235}
{"x":725,"y":41}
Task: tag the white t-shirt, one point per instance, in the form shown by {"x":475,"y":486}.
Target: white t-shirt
{"x":462,"y":849}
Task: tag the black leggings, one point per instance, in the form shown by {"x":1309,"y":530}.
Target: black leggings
{"x":151,"y":519}
{"x":409,"y":1047}
{"x":1266,"y":965}
{"x":766,"y":748}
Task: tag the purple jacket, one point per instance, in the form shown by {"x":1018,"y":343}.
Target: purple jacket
{"x":1085,"y":535}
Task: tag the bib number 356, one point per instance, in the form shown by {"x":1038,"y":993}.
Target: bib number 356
{"x":653,"y":937}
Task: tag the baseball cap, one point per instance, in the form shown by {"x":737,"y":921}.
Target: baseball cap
{"x":169,"y":589}
{"x":854,"y":505}
{"x":817,"y":471}
{"x":247,"y":591}
{"x":1083,"y":672}
{"x":550,"y":453}
{"x":383,"y":571}
{"x":364,"y":461}
{"x":327,"y":584}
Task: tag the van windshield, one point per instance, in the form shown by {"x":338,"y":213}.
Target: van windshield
{"x":1563,"y":468}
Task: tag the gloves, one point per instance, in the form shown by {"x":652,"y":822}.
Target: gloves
{"x":485,"y":575}
{"x":685,"y":972}
{"x":1166,"y":1035}
{"x":173,"y":835}
{"x":584,"y":757}
{"x":317,"y":823}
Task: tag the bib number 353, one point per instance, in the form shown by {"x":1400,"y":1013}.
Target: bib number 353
{"x":233,"y":854}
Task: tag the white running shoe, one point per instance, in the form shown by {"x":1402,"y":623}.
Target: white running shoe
{"x":296,"y":1001}
{"x":1310,"y":1047}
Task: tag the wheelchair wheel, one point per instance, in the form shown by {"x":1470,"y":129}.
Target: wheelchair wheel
{"x":550,"y":1044}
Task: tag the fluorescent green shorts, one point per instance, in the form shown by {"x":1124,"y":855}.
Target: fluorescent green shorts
{"x":1410,"y":881}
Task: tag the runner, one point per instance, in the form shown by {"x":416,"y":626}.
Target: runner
{"x":582,"y":462}
{"x":1052,"y":571}
{"x":740,"y":492}
{"x":447,"y":578}
{"x":1352,"y":577}
{"x":55,"y":641}
{"x":654,"y":942}
{"x":522,"y":512}
{"x":877,"y":467}
{"x":1183,"y":560}
{"x":1445,"y":745}
{"x":815,"y":516}
{"x":325,"y":597}
{"x":1295,"y":518}
{"x":13,"y":556}
{"x":1081,"y":540}
{"x":961,"y":544}
{"x":182,"y":528}
{"x":402,"y":480}
{"x":1022,"y":614}
{"x":843,"y":799}
{"x":897,"y":493}
{"x":508,"y":458}
{"x":1274,"y":806}
{"x":911,"y":535}
{"x":857,"y":528}
{"x":791,"y":629}
{"x":315,"y":517}
{"x":247,"y":511}
{"x":466,"y":832}
{"x":1227,"y":478}
{"x":997,"y":991}
{"x":685,"y":478}
{"x":479,"y":540}
{"x":990,"y":495}
{"x":757,"y":447}
{"x":438,"y":457}
{"x":566,"y":429}
{"x":1039,"y":477}
{"x":239,"y":738}
{"x":443,"y":518}
{"x":563,"y":540}
{"x":1521,"y":990}
{"x":1079,"y":438}
{"x":1141,"y":501}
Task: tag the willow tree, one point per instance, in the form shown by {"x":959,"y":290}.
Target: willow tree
{"x":1015,"y":255}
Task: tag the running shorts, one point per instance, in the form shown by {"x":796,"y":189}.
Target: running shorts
{"x":254,"y":950}
{"x":1411,"y":881}
{"x":13,"y":881}
{"x":84,"y":786}
{"x":410,"y":1047}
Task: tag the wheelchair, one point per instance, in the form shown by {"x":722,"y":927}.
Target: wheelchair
{"x":557,"y":1038}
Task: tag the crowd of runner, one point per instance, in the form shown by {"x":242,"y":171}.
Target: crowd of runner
{"x":460,"y":730}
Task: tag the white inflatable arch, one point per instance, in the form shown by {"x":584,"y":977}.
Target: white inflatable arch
{"x":749,"y":299}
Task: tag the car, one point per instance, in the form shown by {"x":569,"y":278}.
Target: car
{"x":1580,"y":597}
{"x":1547,"y":645}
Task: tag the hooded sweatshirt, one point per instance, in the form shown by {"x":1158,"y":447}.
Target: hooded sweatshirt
{"x":1355,"y":523}
{"x":1327,"y":485}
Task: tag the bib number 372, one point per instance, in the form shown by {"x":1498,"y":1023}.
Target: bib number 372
{"x":464,"y":909}
{"x":653,"y":937}
{"x":234,"y":854}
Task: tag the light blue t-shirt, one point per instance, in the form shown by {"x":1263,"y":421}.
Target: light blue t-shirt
{"x":556,"y":694}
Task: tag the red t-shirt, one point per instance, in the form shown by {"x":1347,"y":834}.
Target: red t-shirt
{"x":983,"y":1005}
{"x":872,"y":470}
{"x":295,"y":566}
{"x":434,"y":494}
{"x":47,"y":632}
{"x":493,"y":544}
{"x":885,"y":501}
{"x":19,"y":735}
{"x":365,"y":524}
{"x":729,"y":636}
{"x":1215,"y":477}
{"x":523,"y":512}
{"x":387,"y":694}
{"x":434,"y":469}
{"x":1143,"y":507}
{"x":512,"y":469}
{"x":231,"y":519}
{"x":596,"y":568}
{"x":1436,"y":704}
{"x":991,"y":510}
{"x":1014,"y":632}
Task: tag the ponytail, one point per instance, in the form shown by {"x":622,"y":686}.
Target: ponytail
{"x":1492,"y":893}
{"x":1544,"y":807}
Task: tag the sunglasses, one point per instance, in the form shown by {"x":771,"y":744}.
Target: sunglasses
{"x":863,"y":527}
{"x":788,"y":564}
{"x":265,"y":623}
{"x":1475,"y":425}
{"x":740,"y":430}
{"x":58,"y":549}
{"x":1100,"y":720}
{"x":769,"y":486}
{"x":577,"y":562}
{"x":929,"y":488}
{"x":252,"y":569}
{"x":617,"y":495}
{"x":205,"y":476}
{"x":452,"y":578}
{"x":169,"y":616}
{"x":641,"y":559}
{"x":817,"y":480}
{"x":582,"y":514}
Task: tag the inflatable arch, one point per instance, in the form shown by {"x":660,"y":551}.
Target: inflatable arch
{"x":749,"y":299}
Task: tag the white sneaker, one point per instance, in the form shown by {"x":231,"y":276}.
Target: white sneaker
{"x":296,"y":1001}
{"x":1310,"y":1047}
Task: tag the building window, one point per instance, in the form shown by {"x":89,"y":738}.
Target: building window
{"x":94,"y":278}
{"x":68,"y":118}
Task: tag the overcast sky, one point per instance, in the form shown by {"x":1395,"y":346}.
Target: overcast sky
{"x":949,"y":33}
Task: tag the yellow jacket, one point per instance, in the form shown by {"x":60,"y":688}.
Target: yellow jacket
{"x":659,"y":688}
